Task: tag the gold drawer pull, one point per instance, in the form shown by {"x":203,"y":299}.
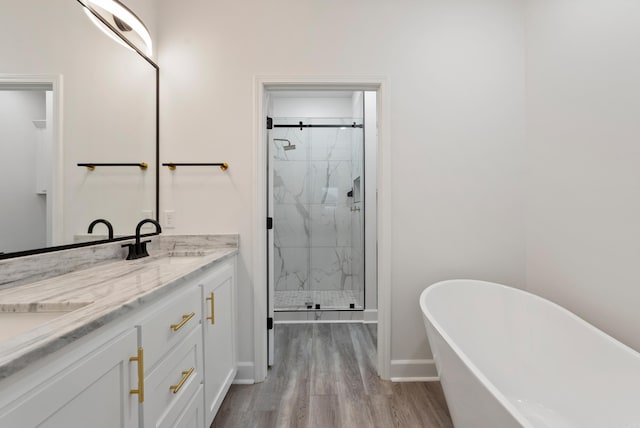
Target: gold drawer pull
{"x":185,"y":319}
{"x":140,"y":390}
{"x":185,"y":376}
{"x":213,"y":309}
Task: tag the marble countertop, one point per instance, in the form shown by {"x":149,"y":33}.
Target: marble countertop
{"x":92,"y":297}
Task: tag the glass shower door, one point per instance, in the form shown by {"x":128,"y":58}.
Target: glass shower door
{"x":318,"y":217}
{"x":289,"y":149}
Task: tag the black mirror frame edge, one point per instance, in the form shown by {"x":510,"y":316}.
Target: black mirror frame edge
{"x":123,"y":238}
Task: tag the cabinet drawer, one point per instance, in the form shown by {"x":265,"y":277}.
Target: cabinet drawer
{"x":174,"y":381}
{"x":169,"y":324}
{"x":191,"y":417}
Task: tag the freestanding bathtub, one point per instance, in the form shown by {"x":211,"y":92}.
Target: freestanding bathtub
{"x":507,"y":358}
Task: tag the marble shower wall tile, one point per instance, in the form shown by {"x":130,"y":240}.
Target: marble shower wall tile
{"x":330,"y":181}
{"x":330,"y":226}
{"x":291,"y":182}
{"x":291,"y":225}
{"x":291,"y":268}
{"x":331,"y":268}
{"x":331,"y":144}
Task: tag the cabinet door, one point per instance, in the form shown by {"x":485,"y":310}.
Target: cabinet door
{"x":218,"y":327}
{"x":93,"y":391}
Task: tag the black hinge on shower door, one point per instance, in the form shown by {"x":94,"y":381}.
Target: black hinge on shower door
{"x":269,"y":223}
{"x":269,"y":323}
{"x":269,"y":123}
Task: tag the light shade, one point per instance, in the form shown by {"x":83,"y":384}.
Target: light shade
{"x":123,"y":20}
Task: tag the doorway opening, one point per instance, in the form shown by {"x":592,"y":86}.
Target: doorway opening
{"x":321,"y":202}
{"x":28,"y":128}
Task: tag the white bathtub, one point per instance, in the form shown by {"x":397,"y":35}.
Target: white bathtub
{"x":508,"y":358}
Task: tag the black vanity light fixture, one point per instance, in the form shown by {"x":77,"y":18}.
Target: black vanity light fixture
{"x":123,"y":19}
{"x":172,"y":166}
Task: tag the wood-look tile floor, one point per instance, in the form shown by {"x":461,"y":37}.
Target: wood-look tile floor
{"x":325,"y":376}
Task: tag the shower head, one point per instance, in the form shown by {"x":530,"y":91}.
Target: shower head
{"x":289,"y":146}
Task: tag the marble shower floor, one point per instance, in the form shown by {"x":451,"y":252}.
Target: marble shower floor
{"x":328,"y":299}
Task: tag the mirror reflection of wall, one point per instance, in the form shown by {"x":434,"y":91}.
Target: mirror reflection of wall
{"x":103,"y":111}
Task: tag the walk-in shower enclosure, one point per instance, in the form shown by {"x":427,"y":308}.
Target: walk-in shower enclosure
{"x":318,"y":210}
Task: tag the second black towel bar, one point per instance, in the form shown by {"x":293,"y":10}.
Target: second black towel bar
{"x":172,"y":166}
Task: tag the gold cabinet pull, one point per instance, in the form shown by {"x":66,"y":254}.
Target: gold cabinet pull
{"x":185,"y":376}
{"x":185,"y":319}
{"x":213,"y":309}
{"x":140,"y":390}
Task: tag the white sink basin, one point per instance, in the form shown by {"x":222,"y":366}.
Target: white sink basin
{"x":19,"y":318}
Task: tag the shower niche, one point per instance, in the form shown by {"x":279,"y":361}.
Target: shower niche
{"x":318,"y":246}
{"x":357,"y":192}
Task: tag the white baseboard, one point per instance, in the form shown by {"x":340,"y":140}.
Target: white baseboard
{"x":245,"y":375}
{"x":413,"y":371}
{"x":370,"y":316}
{"x":415,"y":379}
{"x":243,"y":381}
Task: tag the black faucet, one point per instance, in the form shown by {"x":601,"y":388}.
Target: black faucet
{"x":105,"y":222}
{"x":139,"y":249}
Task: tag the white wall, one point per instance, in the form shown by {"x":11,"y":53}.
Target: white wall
{"x":583,"y":157}
{"x":455,"y":71}
{"x":23,"y":214}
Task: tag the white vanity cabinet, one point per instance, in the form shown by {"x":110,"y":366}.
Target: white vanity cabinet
{"x":80,"y":389}
{"x":219,"y":337}
{"x":203,"y":363}
{"x":179,"y":350}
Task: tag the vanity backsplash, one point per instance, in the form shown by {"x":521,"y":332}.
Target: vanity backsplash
{"x":23,"y":270}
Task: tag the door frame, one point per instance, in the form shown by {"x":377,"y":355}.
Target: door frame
{"x":259,"y":272}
